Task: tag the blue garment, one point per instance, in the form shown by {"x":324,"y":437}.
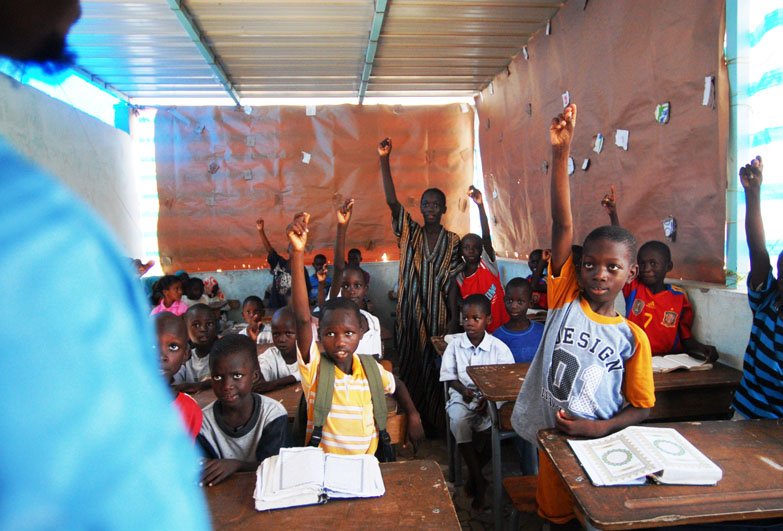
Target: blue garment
{"x":90,"y":436}
{"x":314,"y":286}
{"x":760,"y":394}
{"x":523,"y":344}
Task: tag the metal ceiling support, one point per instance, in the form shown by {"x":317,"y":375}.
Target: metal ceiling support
{"x":196,"y":35}
{"x":95,"y":80}
{"x":372,"y":45}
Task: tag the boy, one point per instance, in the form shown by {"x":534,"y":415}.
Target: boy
{"x":173,"y":349}
{"x":241,"y":428}
{"x":592,"y":374}
{"x":280,"y":268}
{"x":194,"y":292}
{"x":760,"y":391}
{"x":537,"y":279}
{"x":481,"y":273}
{"x":278,"y":364}
{"x":662,"y":310}
{"x":253,"y":313}
{"x":467,"y":410}
{"x":349,"y":427}
{"x":319,"y":263}
{"x":355,"y":262}
{"x":202,"y":330}
{"x":520,"y":334}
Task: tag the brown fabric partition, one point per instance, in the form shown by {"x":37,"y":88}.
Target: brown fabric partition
{"x":618,"y":59}
{"x":220,"y":168}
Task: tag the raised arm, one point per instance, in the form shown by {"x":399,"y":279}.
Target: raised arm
{"x":486,"y":235}
{"x":751,"y":178}
{"x":384,"y":150}
{"x":561,"y":132}
{"x":264,"y":240}
{"x":343,"y":219}
{"x":297,"y":235}
{"x":609,"y":202}
{"x":536,"y":275}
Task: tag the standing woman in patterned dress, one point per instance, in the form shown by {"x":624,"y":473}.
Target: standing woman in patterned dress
{"x":427,"y":293}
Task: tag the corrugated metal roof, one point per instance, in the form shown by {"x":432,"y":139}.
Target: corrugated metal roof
{"x":296,"y":48}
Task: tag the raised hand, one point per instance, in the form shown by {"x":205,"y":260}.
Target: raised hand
{"x":609,"y":202}
{"x":475,"y":194}
{"x":751,"y":174}
{"x":385,"y":147}
{"x":546,"y":255}
{"x":260,"y":224}
{"x":297,"y":231}
{"x":344,"y":212}
{"x":561,"y":130}
{"x":322,"y":273}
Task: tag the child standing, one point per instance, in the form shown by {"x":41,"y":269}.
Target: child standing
{"x":169,"y":289}
{"x":760,"y":391}
{"x":278,"y":364}
{"x":253,"y":312}
{"x":173,"y":349}
{"x":319,"y":264}
{"x":202,"y":330}
{"x":592,"y":374}
{"x":427,"y":294}
{"x":348,"y":428}
{"x":241,"y":428}
{"x":537,"y":279}
{"x":481,"y":274}
{"x":280,"y":267}
{"x":467,"y":410}
{"x":520,"y":334}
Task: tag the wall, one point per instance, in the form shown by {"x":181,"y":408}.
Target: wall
{"x":93,"y":159}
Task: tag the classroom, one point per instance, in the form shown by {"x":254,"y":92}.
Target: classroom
{"x":495,"y":244}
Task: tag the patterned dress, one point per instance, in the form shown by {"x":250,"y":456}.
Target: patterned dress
{"x":422,"y":312}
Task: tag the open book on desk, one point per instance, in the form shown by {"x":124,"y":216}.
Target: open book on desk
{"x":307,"y":476}
{"x":673,"y":362}
{"x":629,"y":456}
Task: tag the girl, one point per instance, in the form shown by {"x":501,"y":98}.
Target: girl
{"x":169,"y":289}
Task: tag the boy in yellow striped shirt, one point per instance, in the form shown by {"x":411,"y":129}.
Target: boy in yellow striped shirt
{"x":350,"y":426}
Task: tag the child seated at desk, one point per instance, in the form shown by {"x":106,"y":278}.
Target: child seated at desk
{"x":173,"y":350}
{"x":167,"y":293}
{"x":467,"y":410}
{"x":592,"y":374}
{"x":253,"y":313}
{"x":349,"y":427}
{"x":240,"y":428}
{"x":520,"y":334}
{"x":278,"y":364}
{"x":194,"y":292}
{"x":202,"y":330}
{"x":319,"y":265}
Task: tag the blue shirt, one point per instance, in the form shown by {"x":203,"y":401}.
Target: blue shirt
{"x":314,"y":286}
{"x":90,"y":437}
{"x":523,"y":344}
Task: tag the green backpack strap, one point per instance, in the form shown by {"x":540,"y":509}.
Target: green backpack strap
{"x":323,"y":399}
{"x":379,"y":410}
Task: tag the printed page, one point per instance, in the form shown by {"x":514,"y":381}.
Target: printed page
{"x":682,"y":462}
{"x":689,"y":362}
{"x":614,"y":460}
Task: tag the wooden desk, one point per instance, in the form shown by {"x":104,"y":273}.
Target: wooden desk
{"x":416,"y":497}
{"x":695,"y":395}
{"x":288,"y":396}
{"x":750,"y":453}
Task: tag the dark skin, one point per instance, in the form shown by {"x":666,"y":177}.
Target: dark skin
{"x":606,"y":267}
{"x":609,"y":202}
{"x":172,"y":345}
{"x":202,"y":330}
{"x":486,"y":236}
{"x":537,"y":263}
{"x":517,"y":301}
{"x":233,"y":377}
{"x":339,"y":330}
{"x":253,"y":312}
{"x":432,"y":210}
{"x":284,"y":337}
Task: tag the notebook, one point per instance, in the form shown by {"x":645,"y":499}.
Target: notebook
{"x":673,"y":362}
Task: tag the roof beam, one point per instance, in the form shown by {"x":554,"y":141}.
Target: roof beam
{"x":197,"y":36}
{"x":97,"y":81}
{"x":372,"y":46}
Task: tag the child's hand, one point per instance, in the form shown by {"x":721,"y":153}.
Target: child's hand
{"x":385,"y":147}
{"x":546,"y":256}
{"x":576,"y":426}
{"x":468,"y":395}
{"x":253,"y":330}
{"x":217,"y":470}
{"x":297,"y":231}
{"x":609,"y":202}
{"x":704,"y":352}
{"x":475,"y":194}
{"x":750,"y":174}
{"x":481,"y":405}
{"x":322,"y":273}
{"x":344,"y":212}
{"x":561,"y":131}
{"x":259,"y":224}
{"x":415,"y":430}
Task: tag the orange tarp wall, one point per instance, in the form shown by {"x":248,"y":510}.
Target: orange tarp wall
{"x":618,"y":60}
{"x":220,"y":168}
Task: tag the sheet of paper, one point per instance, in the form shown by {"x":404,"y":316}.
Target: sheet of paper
{"x":599,"y":143}
{"x":705,"y":99}
{"x":301,"y":466}
{"x":463,"y":107}
{"x":344,"y":474}
{"x":305,"y":157}
{"x":310,"y":110}
{"x":621,"y":139}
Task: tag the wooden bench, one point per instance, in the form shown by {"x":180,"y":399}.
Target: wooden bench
{"x":522,"y":492}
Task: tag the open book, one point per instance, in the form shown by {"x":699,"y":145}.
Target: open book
{"x":630,"y":455}
{"x":672,"y":362}
{"x":306,"y":476}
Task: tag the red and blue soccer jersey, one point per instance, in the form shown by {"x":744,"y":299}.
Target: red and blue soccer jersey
{"x":666,"y":316}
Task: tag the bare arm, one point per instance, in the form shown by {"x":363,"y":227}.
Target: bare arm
{"x":343,"y":219}
{"x":453,"y":299}
{"x":263,"y":386}
{"x":598,"y":428}
{"x":561,"y":132}
{"x":609,"y":202}
{"x":751,"y":178}
{"x":264,"y":240}
{"x":384,"y":150}
{"x":535,"y":277}
{"x":297,"y":235}
{"x":486,"y":235}
{"x":403,"y":398}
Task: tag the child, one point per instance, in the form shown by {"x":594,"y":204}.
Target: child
{"x":427,"y":293}
{"x":355,"y":262}
{"x":253,"y":313}
{"x":319,"y":264}
{"x":592,"y":374}
{"x":173,"y":349}
{"x":663,"y":311}
{"x":241,"y":428}
{"x":169,"y":290}
{"x":520,"y":334}
{"x":760,"y":390}
{"x":278,"y":364}
{"x":481,"y":273}
{"x":202,"y":330}
{"x":467,"y":409}
{"x":348,"y":428}
{"x":350,"y":283}
{"x":194,"y":292}
{"x":537,"y":279}
{"x":280,"y":267}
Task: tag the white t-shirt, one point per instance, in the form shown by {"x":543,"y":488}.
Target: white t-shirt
{"x":194,"y":370}
{"x":274,"y":367}
{"x":264,"y":335}
{"x":371,"y":342}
